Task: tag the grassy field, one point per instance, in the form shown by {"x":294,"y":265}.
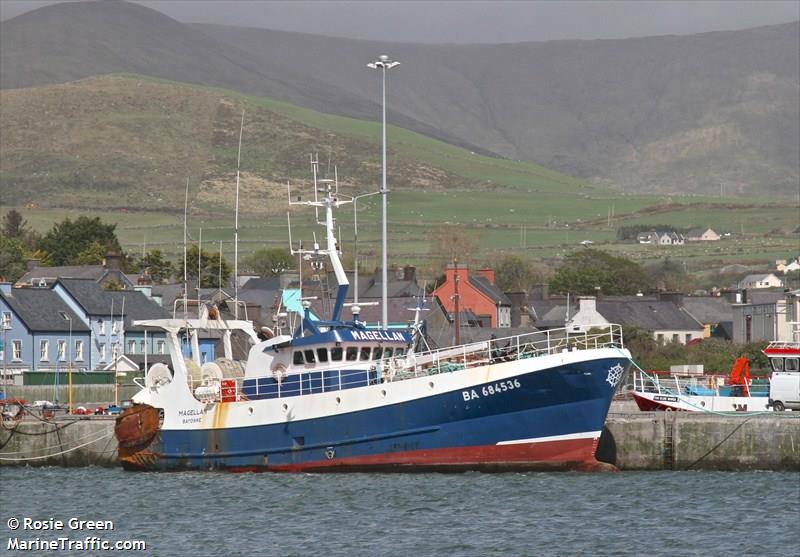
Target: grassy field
{"x":121,"y":147}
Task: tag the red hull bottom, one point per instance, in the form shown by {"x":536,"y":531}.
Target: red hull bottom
{"x":573,"y":454}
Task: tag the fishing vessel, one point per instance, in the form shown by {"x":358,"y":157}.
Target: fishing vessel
{"x":335,"y":395}
{"x":736,"y":392}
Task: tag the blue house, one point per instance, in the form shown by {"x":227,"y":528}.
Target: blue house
{"x":40,"y":332}
{"x":110,"y":316}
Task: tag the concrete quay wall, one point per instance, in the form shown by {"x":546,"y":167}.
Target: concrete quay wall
{"x":630,"y":441}
{"x":689,"y":441}
{"x":67,"y":441}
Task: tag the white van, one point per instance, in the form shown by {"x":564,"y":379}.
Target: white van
{"x":784,"y":391}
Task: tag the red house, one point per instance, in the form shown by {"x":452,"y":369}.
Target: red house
{"x":477,"y":293}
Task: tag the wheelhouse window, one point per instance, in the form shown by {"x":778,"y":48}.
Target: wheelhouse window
{"x":377,"y":353}
{"x":352,"y":354}
{"x":792,"y":364}
{"x":777,"y":364}
{"x":297,"y":358}
{"x":322,"y":355}
{"x":365,"y":353}
{"x":336,"y":354}
{"x":309,"y":354}
{"x":399,"y":352}
{"x":387,"y":353}
{"x":44,"y":346}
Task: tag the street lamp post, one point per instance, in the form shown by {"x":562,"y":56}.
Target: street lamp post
{"x":355,"y":240}
{"x":384,"y":63}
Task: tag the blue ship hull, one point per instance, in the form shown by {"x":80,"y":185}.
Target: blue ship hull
{"x":544,"y":419}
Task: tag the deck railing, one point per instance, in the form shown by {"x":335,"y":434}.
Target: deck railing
{"x":444,"y":360}
{"x":669,"y":383}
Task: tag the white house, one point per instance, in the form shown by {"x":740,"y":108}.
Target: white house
{"x":767,"y":280}
{"x":782,"y":267}
{"x":670,"y":239}
{"x":702,"y":235}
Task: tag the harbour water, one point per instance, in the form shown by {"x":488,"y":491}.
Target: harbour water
{"x":547,"y":514}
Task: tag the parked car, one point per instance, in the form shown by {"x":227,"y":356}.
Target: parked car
{"x":784,"y":391}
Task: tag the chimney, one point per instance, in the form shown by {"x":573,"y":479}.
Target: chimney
{"x":409,"y":273}
{"x":587,"y":303}
{"x":518,"y":300}
{"x":488,"y":274}
{"x":32,"y":263}
{"x":112,"y":261}
{"x":459,"y":269}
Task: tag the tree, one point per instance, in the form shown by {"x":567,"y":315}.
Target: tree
{"x":14,"y":226}
{"x":209,"y":268}
{"x":83,"y":241}
{"x":269,"y":262}
{"x":449,"y":241}
{"x":514,"y":273}
{"x":159,"y":268}
{"x":12,"y":258}
{"x":583,"y":271}
{"x":671,"y":275}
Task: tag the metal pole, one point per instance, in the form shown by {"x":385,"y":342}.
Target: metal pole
{"x":355,"y":248}
{"x":384,"y":247}
{"x":384,"y":63}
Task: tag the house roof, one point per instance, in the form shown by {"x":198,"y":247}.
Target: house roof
{"x":648,"y":314}
{"x":41,"y":310}
{"x":49,"y":275}
{"x":98,"y":302}
{"x":488,"y":289}
{"x":708,"y":309}
{"x":764,"y":296}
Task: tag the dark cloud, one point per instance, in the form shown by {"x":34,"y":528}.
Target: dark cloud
{"x":474,"y":21}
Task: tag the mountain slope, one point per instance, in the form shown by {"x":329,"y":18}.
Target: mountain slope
{"x":72,"y":40}
{"x":130,"y":142}
{"x":685,"y":114}
{"x":692,"y":114}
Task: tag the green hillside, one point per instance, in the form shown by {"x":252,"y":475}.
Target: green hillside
{"x":121,"y":147}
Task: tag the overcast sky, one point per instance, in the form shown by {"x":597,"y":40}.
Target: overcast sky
{"x":471,"y":22}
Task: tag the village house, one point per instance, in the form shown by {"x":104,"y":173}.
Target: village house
{"x":665,"y":320}
{"x":478,"y":293}
{"x":782,"y":266}
{"x":702,"y":235}
{"x":40,"y":332}
{"x":767,"y":315}
{"x":764,"y":280}
{"x":110,"y":316}
{"x":108,"y":273}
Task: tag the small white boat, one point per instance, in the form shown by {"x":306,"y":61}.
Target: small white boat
{"x":736,"y":392}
